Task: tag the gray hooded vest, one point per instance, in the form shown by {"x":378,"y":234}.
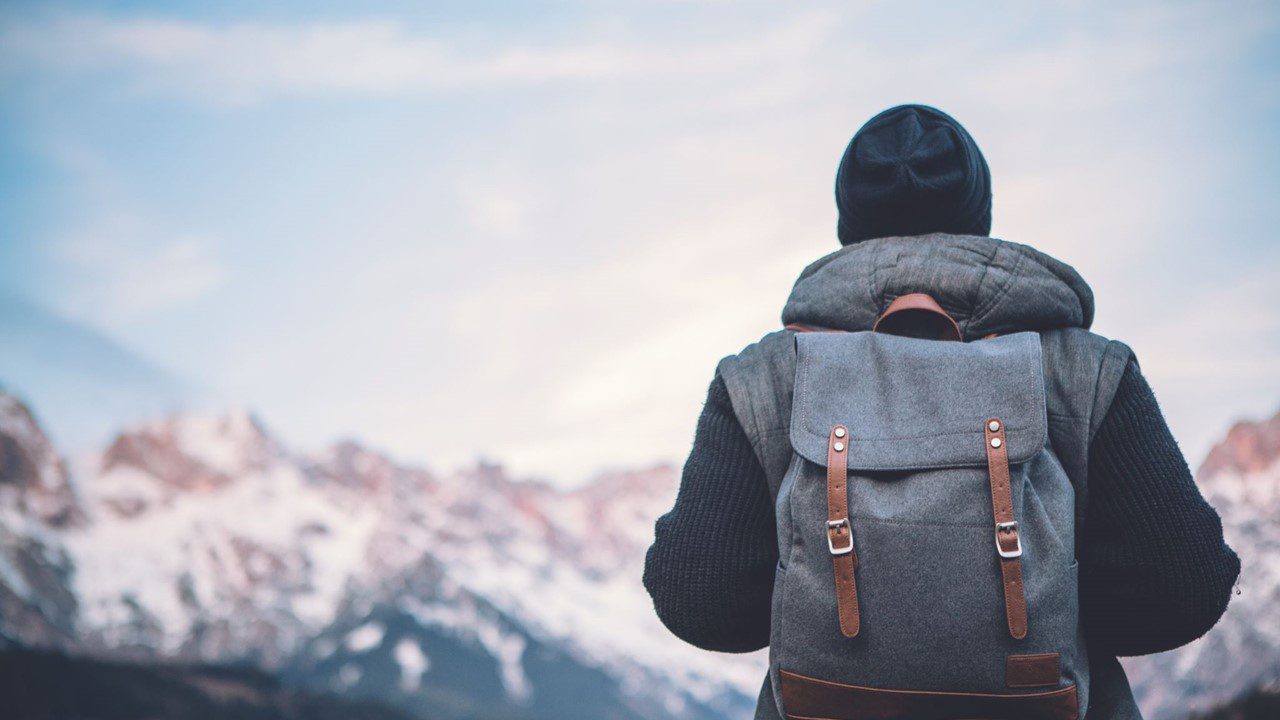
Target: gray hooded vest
{"x":989,"y":287}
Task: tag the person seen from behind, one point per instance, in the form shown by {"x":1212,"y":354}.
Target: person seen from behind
{"x":1154,"y":573}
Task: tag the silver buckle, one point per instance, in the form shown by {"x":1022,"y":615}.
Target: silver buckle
{"x":832,"y":525}
{"x":1013,"y":528}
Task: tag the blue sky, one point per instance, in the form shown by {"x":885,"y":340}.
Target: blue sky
{"x":426,"y":227}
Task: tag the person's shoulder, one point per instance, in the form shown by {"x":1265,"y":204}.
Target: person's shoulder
{"x":771,"y":350}
{"x":1083,"y":344}
{"x":1083,"y":370}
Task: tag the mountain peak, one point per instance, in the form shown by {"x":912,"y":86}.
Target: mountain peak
{"x":1249,"y":447}
{"x":29,"y":462}
{"x":194,"y":451}
{"x":36,"y":503}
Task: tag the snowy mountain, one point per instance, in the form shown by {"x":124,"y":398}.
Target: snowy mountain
{"x":37,"y":503}
{"x":1241,"y":477}
{"x":203,"y":539}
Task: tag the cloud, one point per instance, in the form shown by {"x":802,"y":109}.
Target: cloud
{"x":1211,"y":355}
{"x":497,"y":206}
{"x":118,"y":274}
{"x":571,"y":222}
{"x":244,"y":62}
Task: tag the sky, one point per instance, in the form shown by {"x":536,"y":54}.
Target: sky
{"x":527,"y":232}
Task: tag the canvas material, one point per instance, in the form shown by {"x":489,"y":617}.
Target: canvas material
{"x":930,"y":592}
{"x":988,"y":285}
{"x":923,"y":393}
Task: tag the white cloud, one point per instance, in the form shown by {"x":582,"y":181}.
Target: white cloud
{"x":121,"y":273}
{"x":1211,"y":355}
{"x":579,"y":267}
{"x":241,"y":62}
{"x":499,"y":206}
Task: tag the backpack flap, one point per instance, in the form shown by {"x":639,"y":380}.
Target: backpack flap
{"x":912,"y":404}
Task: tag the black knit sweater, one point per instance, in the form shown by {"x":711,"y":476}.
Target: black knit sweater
{"x":1154,"y":570}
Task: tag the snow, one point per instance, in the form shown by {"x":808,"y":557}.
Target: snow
{"x":349,"y":675}
{"x":413,"y":664}
{"x":295,"y":546}
{"x":220,"y":443}
{"x":466,"y":620}
{"x":508,"y":648}
{"x":593,"y":601}
{"x":365,"y":638}
{"x":244,"y":544}
{"x":323,"y":648}
{"x":272,"y":559}
{"x":11,"y":577}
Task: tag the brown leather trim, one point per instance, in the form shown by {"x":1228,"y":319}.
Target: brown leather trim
{"x":1028,"y":671}
{"x":840,"y":531}
{"x":1006,"y":528}
{"x":806,"y":328}
{"x":918,"y":303}
{"x":806,"y":698}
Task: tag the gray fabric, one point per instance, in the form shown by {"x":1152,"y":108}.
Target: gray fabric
{"x":989,"y":286}
{"x":759,"y":380}
{"x":931,"y":596}
{"x":899,"y":400}
{"x":1077,"y":406}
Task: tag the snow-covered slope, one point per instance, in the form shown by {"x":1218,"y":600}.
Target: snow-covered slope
{"x":206,"y":541}
{"x":204,"y":538}
{"x":1241,"y":477}
{"x":37,"y":502}
{"x":462,"y":594}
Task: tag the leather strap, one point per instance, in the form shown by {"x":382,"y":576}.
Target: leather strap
{"x":1008,"y":542}
{"x":840,"y":531}
{"x":808,"y":698}
{"x":797,"y":327}
{"x":1030,"y":671}
{"x":915,"y":303}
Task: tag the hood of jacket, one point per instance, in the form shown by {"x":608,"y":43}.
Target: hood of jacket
{"x":987,"y":285}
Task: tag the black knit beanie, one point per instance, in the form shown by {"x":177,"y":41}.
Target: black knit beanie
{"x":912,"y":170}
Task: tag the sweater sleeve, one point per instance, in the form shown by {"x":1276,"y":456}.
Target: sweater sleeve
{"x":710,"y":568}
{"x":1155,"y":572}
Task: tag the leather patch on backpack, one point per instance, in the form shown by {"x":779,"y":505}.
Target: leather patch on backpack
{"x":1029,"y":671}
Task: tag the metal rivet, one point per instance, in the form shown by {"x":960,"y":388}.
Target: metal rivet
{"x":994,"y":425}
{"x":839,"y":432}
{"x":839,"y":447}
{"x":995,"y":442}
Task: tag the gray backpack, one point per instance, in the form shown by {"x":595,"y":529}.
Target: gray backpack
{"x":926,"y":532}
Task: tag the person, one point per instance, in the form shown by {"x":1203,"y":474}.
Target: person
{"x":914,"y":198}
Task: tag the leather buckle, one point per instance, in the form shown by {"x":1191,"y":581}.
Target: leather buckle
{"x":832,"y":527}
{"x":1009,"y":527}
